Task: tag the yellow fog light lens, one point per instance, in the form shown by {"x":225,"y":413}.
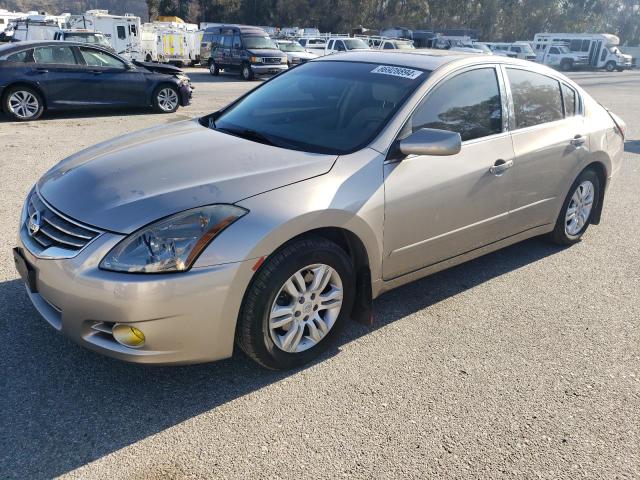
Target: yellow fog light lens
{"x":127,"y":335}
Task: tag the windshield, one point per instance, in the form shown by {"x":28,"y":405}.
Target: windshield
{"x":525,"y":48}
{"x":291,"y":47}
{"x":614,"y":50}
{"x":322,"y":107}
{"x":92,"y":38}
{"x":564,"y":49}
{"x":482,"y":46}
{"x":259,"y":43}
{"x":355,"y":43}
{"x":405,"y":46}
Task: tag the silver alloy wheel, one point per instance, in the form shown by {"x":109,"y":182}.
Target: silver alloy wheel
{"x":23,"y":104}
{"x":167,"y":99}
{"x":246,"y":72}
{"x":579,"y":208}
{"x":306,"y":308}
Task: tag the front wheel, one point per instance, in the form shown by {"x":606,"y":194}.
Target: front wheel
{"x":23,"y":104}
{"x":566,"y":65}
{"x":577,"y":209}
{"x":610,"y":66}
{"x":246,"y":72}
{"x":214,"y":69}
{"x":166,"y":99}
{"x":296,"y":304}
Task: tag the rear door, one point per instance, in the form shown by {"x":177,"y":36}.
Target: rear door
{"x":549,"y":143}
{"x":110,"y":81}
{"x":58,"y":72}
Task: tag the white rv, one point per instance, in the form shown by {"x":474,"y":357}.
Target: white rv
{"x":601,"y":49}
{"x":122,"y":31}
{"x":37,"y":26}
{"x":6,"y":17}
{"x":171,"y":42}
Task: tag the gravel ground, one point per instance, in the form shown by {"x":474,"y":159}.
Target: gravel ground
{"x":522,"y":364}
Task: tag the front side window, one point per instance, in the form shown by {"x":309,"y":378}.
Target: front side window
{"x":237,"y":44}
{"x":323,"y":107}
{"x":227,"y":41}
{"x":54,"y":55}
{"x":554,"y":51}
{"x":536,"y":98}
{"x":516,"y":49}
{"x":122,"y":33}
{"x":388,"y":46}
{"x":259,"y":43}
{"x":469,"y":104}
{"x":340,"y":46}
{"x":96,"y":58}
{"x":569,"y":100}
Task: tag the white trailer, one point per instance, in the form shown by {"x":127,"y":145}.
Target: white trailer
{"x":171,"y":42}
{"x":122,"y":31}
{"x":601,"y":49}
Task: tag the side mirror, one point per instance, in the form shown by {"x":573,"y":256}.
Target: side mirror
{"x":429,"y":141}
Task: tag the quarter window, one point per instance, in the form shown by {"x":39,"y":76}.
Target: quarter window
{"x":536,"y":98}
{"x":54,"y":55}
{"x":20,"y":57}
{"x":469,"y":104}
{"x":569,"y":99}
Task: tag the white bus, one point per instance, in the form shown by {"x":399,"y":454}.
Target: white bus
{"x":601,"y":48}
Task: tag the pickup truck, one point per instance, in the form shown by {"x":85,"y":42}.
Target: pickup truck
{"x":559,"y":56}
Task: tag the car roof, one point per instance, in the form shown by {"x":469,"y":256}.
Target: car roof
{"x":427,"y":59}
{"x":244,"y":29}
{"x":15,"y":46}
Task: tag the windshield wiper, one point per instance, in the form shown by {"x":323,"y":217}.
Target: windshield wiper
{"x":248,"y":134}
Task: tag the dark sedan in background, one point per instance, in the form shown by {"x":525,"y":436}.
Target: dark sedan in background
{"x":54,"y":75}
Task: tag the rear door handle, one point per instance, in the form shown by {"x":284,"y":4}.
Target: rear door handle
{"x":500,"y":166}
{"x":578,"y":141}
{"x":42,"y":70}
{"x":96,"y":72}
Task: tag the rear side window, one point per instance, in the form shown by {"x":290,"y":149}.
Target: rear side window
{"x":388,"y":46}
{"x":54,"y":55}
{"x":536,"y":98}
{"x":20,"y":57}
{"x":469,"y":104}
{"x":569,"y":99}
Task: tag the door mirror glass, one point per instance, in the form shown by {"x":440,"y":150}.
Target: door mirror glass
{"x":430,"y":141}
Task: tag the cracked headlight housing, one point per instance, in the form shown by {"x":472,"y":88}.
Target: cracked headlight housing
{"x":172,"y":244}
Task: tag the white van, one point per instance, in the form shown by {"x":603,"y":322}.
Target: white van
{"x":601,"y":49}
{"x":122,"y":31}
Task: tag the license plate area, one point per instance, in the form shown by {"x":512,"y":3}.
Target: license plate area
{"x":26,"y":271}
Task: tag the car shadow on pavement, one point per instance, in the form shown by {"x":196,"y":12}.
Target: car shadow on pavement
{"x":63,"y":406}
{"x":89,"y":113}
{"x":203,"y":76}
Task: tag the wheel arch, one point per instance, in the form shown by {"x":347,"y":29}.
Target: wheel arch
{"x":599,"y":167}
{"x":24,"y":84}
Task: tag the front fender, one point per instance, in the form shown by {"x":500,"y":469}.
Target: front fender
{"x":350,"y":197}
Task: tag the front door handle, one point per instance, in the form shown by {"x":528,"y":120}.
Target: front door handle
{"x":42,"y":70}
{"x":577,"y":141}
{"x":500,"y":166}
{"x":96,"y":72}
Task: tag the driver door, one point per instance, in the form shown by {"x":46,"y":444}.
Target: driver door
{"x":439,"y":207}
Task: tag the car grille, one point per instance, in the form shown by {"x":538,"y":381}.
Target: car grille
{"x":48,"y":228}
{"x":271,"y":60}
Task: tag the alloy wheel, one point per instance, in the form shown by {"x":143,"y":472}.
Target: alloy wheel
{"x":23,"y":104}
{"x":579,"y":208}
{"x":167,"y":99}
{"x":306,"y":308}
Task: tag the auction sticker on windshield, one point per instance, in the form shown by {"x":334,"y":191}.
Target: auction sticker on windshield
{"x":397,"y":71}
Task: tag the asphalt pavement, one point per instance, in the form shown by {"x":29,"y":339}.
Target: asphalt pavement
{"x":524,"y":363}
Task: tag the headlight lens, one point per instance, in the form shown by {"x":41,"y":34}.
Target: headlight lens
{"x":173,"y":243}
{"x":255,"y":59}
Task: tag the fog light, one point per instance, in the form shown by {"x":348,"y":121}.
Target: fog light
{"x":127,"y":335}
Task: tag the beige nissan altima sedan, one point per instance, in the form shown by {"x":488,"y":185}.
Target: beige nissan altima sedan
{"x":269,"y":223}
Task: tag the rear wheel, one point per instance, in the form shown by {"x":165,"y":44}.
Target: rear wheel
{"x":296,"y":304}
{"x":23,"y":104}
{"x":166,"y":99}
{"x":577,"y":209}
{"x":246,"y":72}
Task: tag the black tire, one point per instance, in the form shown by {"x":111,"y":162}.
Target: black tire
{"x":559,"y":234}
{"x":610,"y":66}
{"x":158,"y":104}
{"x":246,"y":73}
{"x":566,"y":65}
{"x":214,"y":69}
{"x":25,"y":91}
{"x":252,"y":333}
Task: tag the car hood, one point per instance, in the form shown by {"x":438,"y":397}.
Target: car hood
{"x":125,"y":183}
{"x":266,"y":52}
